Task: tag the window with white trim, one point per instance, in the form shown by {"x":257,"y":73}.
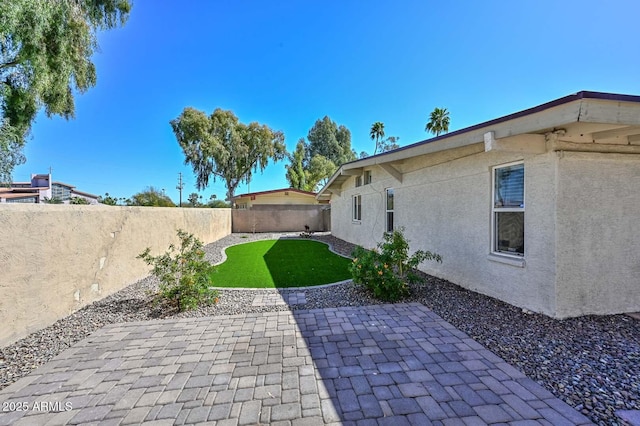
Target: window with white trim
{"x":389,"y":210}
{"x":356,"y":208}
{"x":367,"y":177}
{"x":507,"y":211}
{"x":358,"y":181}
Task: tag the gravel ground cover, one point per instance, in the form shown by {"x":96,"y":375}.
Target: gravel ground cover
{"x":591,"y":362}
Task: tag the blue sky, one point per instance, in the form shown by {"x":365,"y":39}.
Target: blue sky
{"x":288,"y":63}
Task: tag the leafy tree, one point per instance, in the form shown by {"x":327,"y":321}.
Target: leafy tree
{"x":296,"y":172}
{"x":108,"y":200}
{"x":45,"y":57}
{"x":331,"y":141}
{"x":376,"y":133}
{"x":438,"y":121}
{"x":194,"y":199}
{"x":214,"y":203}
{"x":312,"y":163}
{"x":150,"y":197}
{"x":218,"y":204}
{"x":53,"y":200}
{"x":78,"y":200}
{"x":384,"y":145}
{"x":11,"y":155}
{"x":389,"y":144}
{"x":220,"y":146}
{"x":320,"y":170}
{"x":305,"y":174}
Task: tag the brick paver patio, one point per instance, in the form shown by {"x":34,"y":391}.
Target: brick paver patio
{"x":277,"y":299}
{"x":386,"y":365}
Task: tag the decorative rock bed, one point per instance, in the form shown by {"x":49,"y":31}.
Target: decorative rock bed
{"x":591,"y":362}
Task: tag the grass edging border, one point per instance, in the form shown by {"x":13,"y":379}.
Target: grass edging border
{"x":283,"y":289}
{"x":282,"y":237}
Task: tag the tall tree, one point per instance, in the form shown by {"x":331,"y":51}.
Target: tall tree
{"x":320,"y":170}
{"x":331,"y":141}
{"x":11,"y":155}
{"x":108,"y":200}
{"x":438,"y":121}
{"x":78,"y":200}
{"x":296,"y":171}
{"x":218,"y":204}
{"x":314,"y":162}
{"x":376,"y":133}
{"x":150,"y":197}
{"x":194,"y":199}
{"x":384,"y":145}
{"x":389,"y":144}
{"x":45,"y":57}
{"x":305,"y":174}
{"x":215,"y":203}
{"x":220,"y":146}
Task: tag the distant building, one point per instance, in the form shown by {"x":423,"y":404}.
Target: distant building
{"x":41,"y":189}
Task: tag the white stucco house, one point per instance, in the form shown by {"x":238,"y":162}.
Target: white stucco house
{"x":540,"y":208}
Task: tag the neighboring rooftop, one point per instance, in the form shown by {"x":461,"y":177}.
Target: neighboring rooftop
{"x":275,"y":191}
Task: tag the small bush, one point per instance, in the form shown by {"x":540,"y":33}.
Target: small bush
{"x":387,"y":270}
{"x":183,"y":274}
{"x":79,"y":200}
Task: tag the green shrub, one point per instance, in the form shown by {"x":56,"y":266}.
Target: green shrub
{"x":387,"y":270}
{"x":54,"y":200}
{"x":78,"y":200}
{"x":183,"y":274}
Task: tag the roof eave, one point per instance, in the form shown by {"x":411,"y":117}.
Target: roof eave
{"x":536,"y":120}
{"x":274,"y":191}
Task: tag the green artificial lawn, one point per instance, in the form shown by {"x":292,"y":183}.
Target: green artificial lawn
{"x":279,"y":264}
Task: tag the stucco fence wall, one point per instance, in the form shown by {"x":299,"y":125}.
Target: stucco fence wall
{"x":281,"y":218}
{"x":56,"y":259}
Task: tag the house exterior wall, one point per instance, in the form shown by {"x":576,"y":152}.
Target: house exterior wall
{"x":598,"y":238}
{"x":444,"y":205}
{"x":57,"y":258}
{"x":581,"y":157}
{"x":582,"y":222}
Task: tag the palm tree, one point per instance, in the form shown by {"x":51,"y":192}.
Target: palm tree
{"x":377,"y":132}
{"x":438,"y":121}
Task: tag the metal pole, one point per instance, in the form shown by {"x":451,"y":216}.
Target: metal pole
{"x":180,"y":186}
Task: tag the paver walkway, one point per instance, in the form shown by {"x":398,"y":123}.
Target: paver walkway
{"x":278,"y":299}
{"x":386,"y":365}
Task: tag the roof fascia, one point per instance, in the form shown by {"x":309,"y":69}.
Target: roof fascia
{"x":582,"y":106}
{"x":274,"y":191}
